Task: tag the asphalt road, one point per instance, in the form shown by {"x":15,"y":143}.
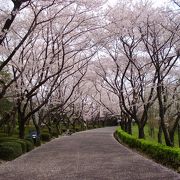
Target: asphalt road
{"x":90,"y":155}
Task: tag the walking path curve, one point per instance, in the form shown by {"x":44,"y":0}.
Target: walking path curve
{"x":89,"y":155}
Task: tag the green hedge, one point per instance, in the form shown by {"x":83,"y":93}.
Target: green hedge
{"x":19,"y":141}
{"x":5,"y":139}
{"x":10,"y":150}
{"x":45,"y":137}
{"x":38,"y":141}
{"x":55,"y":134}
{"x":29,"y":139}
{"x":23,"y":145}
{"x":29,"y":144}
{"x":164,"y":154}
{"x":11,"y":147}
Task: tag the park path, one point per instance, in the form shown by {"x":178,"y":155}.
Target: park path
{"x":89,"y":155}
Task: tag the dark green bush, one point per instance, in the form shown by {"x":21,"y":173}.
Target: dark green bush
{"x":23,"y":145}
{"x":29,"y":144}
{"x":5,"y":139}
{"x":164,"y":154}
{"x":45,"y":137}
{"x":6,"y":152}
{"x":55,"y":134}
{"x":3,"y":134}
{"x":10,"y":150}
{"x":37,"y":141}
{"x":12,"y":139}
{"x":29,"y":139}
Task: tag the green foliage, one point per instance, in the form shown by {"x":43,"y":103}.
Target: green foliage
{"x":29,"y":139}
{"x":10,"y":150}
{"x":26,"y":145}
{"x":29,"y":128}
{"x":45,"y":137}
{"x":2,"y":134}
{"x":55,"y":134}
{"x":23,"y":145}
{"x":37,"y":142}
{"x":8,"y":139}
{"x":19,"y":141}
{"x":164,"y":154}
{"x":29,"y":144}
{"x":5,"y":105}
{"x":5,"y":75}
{"x":34,"y":142}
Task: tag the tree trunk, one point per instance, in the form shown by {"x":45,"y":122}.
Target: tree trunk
{"x":21,"y":122}
{"x":103,"y":123}
{"x":126,"y":125}
{"x":174,"y":128}
{"x":57,"y":128}
{"x":129,"y":127}
{"x":167,"y":137}
{"x":93,"y":124}
{"x":82,"y":126}
{"x":166,"y":134}
{"x":21,"y":129}
{"x":49,"y":129}
{"x":74,"y":125}
{"x":9,"y":21}
{"x":122,"y":124}
{"x":141,"y":132}
{"x":162,"y":111}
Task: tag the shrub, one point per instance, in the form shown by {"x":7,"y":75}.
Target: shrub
{"x":29,"y":139}
{"x":10,"y":150}
{"x":3,"y":134}
{"x":23,"y":145}
{"x":5,"y":139}
{"x":55,"y":134}
{"x":164,"y":154}
{"x":45,"y":137}
{"x":6,"y":152}
{"x":44,"y":130}
{"x":37,"y":141}
{"x":12,"y":139}
{"x":29,"y":144}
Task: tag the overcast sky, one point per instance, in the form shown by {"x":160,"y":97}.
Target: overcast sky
{"x":156,"y":2}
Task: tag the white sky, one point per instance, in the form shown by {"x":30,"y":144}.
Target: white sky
{"x":156,"y":2}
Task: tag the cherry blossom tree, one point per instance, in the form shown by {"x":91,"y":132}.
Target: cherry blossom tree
{"x":59,"y":53}
{"x":14,"y":36}
{"x":18,"y":5}
{"x":128,"y":77}
{"x":161,"y":46}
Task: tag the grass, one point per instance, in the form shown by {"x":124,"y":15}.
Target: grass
{"x":155,"y":138}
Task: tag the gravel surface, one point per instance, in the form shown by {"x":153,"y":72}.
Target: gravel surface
{"x":89,"y":155}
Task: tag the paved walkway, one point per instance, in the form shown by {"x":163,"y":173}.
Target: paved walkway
{"x":90,"y":155}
